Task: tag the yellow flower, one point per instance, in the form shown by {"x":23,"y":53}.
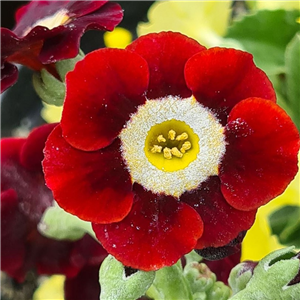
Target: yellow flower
{"x":205,"y":21}
{"x":277,"y":5}
{"x":52,"y":288}
{"x":118,"y":38}
{"x":51,"y":113}
{"x":259,"y":242}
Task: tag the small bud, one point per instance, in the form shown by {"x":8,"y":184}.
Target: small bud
{"x":240,"y":275}
{"x":199,"y":277}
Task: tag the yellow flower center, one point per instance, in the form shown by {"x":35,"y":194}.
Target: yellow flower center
{"x":171,"y":145}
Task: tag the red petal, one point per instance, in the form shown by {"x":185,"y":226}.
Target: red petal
{"x":95,"y":186}
{"x":66,"y":43}
{"x":31,"y":154}
{"x":156,"y":233}
{"x":222,"y":222}
{"x":84,"y":286}
{"x":13,"y":228}
{"x":104,"y":89}
{"x":166,"y":54}
{"x":220,"y":78}
{"x":10,"y":150}
{"x":261,"y":154}
{"x":34,"y":196}
{"x":9,"y":76}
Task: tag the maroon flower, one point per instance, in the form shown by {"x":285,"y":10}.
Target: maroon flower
{"x":24,"y":198}
{"x":48,"y":31}
{"x":167,"y":147}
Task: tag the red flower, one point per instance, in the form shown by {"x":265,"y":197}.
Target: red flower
{"x":167,"y":147}
{"x":48,"y":31}
{"x":24,"y":198}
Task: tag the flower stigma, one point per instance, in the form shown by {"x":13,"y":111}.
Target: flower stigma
{"x":171,"y":145}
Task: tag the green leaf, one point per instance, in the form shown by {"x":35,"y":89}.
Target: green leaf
{"x":292,"y":63}
{"x":265,"y":34}
{"x":271,"y":278}
{"x":287,"y":229}
{"x":115,"y":285}
{"x":169,"y":284}
{"x":58,"y":224}
{"x":192,"y":256}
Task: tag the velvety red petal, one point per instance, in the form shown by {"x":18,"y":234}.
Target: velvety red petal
{"x":34,"y":196}
{"x":261,"y":154}
{"x":109,"y":14}
{"x":31,"y":154}
{"x":66,"y":43}
{"x":95,"y":186}
{"x":13,"y":228}
{"x":222,"y":222}
{"x":80,"y":8}
{"x":104,"y":89}
{"x":83,"y":286}
{"x":156,"y":233}
{"x":10,"y":150}
{"x":88,"y":251}
{"x":220,"y":78}
{"x":166,"y":54}
{"x":9,"y":76}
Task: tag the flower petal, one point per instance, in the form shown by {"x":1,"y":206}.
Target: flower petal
{"x":104,"y":89}
{"x":66,"y":43}
{"x":95,"y":186}
{"x":9,"y":76}
{"x":220,"y":78}
{"x":31,"y":154}
{"x":166,"y":54}
{"x":13,"y":228}
{"x":156,"y":233}
{"x":85,"y":285}
{"x":222,"y":222}
{"x":261,"y":155}
{"x":34,"y":196}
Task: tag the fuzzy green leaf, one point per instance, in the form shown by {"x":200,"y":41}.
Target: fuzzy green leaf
{"x":115,"y":285}
{"x":271,"y":278}
{"x":58,"y":224}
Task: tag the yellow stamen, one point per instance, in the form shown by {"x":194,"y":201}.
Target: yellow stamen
{"x":185,"y":146}
{"x":161,"y":138}
{"x":172,"y":135}
{"x":156,"y":149}
{"x":182,"y":137}
{"x":167,"y":153}
{"x":176,"y":152}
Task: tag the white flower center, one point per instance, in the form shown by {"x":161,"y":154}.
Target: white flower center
{"x":149,"y":131}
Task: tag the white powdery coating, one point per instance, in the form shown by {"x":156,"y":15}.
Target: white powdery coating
{"x":203,"y":123}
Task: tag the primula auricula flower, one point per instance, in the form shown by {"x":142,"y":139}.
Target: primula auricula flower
{"x":174,"y":147}
{"x":24,"y":198}
{"x":48,"y":31}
